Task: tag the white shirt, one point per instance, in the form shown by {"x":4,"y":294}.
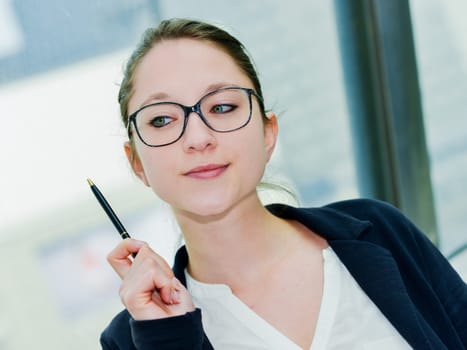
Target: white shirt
{"x":348,"y":319}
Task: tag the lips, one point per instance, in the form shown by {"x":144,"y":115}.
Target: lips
{"x":208,"y":171}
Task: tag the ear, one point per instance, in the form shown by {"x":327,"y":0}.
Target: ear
{"x":271,"y":129}
{"x":135,"y":162}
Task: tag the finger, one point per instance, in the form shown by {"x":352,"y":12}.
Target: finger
{"x":150,"y":266}
{"x":176,"y":291}
{"x":148,"y":270}
{"x":145,"y":252}
{"x":119,"y":259}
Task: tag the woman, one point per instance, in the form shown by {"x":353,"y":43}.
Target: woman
{"x":351,"y":275}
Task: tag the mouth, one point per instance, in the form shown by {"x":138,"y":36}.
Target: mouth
{"x":208,"y":171}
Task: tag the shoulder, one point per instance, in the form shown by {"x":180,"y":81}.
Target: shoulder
{"x":373,"y":221}
{"x":387,"y":221}
{"x":391,"y":229}
{"x":377,"y":212}
{"x":347,"y":220}
{"x":367,"y":209}
{"x":117,"y":335}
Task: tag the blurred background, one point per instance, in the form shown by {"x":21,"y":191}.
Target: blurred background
{"x":60,"y":66}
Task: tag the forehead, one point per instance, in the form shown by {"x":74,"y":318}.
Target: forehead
{"x":182,"y":70}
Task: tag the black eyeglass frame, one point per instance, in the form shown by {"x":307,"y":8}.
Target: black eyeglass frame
{"x":196,"y":108}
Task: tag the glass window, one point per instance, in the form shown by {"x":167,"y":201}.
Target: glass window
{"x":441,"y":42}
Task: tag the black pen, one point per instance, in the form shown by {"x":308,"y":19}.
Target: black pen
{"x":109,"y":211}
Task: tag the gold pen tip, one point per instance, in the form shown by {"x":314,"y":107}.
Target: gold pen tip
{"x":90,"y":182}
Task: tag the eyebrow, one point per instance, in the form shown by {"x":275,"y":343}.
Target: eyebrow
{"x":163,"y":96}
{"x":154,"y":97}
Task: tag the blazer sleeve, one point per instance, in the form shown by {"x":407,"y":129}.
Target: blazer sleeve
{"x":448,"y":285}
{"x":179,"y":332}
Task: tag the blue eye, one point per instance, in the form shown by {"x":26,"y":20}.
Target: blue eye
{"x":160,"y":121}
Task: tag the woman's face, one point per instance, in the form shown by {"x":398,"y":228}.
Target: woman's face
{"x":204,"y":173}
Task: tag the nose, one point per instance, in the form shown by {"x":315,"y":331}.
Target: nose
{"x":197,"y":136}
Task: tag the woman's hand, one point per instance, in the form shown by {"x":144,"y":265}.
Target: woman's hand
{"x":149,"y":289}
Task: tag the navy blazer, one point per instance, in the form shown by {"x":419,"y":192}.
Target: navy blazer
{"x":400,"y":270}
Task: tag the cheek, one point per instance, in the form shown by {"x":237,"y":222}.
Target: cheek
{"x":158,"y":169}
{"x":253,"y":151}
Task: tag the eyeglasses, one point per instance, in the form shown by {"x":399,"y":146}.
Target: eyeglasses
{"x":222,"y":110}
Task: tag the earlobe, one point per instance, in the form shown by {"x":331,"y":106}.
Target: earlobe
{"x":271,"y":129}
{"x":135,"y":162}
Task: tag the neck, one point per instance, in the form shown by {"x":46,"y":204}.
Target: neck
{"x":244,"y":242}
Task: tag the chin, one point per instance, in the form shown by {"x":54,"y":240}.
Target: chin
{"x":205,"y":211}
{"x":206,"y":207}
{"x":211,"y":209}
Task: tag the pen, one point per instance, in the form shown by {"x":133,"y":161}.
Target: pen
{"x":109,"y":211}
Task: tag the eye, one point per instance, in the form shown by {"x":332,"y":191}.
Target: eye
{"x":160,"y":121}
{"x":223,"y":108}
